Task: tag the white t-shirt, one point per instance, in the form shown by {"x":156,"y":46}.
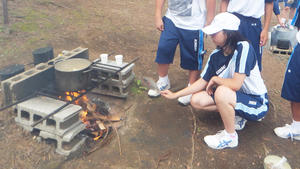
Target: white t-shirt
{"x":251,"y":8}
{"x":187,"y":14}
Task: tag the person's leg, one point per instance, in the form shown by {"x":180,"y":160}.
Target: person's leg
{"x":295,"y":106}
{"x":165,"y":54}
{"x":225,"y":99}
{"x":291,"y":15}
{"x":203,"y":101}
{"x":291,"y":130}
{"x":162,"y":69}
{"x":191,"y":48}
{"x":291,"y":91}
{"x":193,"y":76}
{"x":286,"y":10}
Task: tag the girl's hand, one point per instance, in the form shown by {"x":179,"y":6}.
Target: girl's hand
{"x":159,"y":24}
{"x":211,"y":85}
{"x":168,"y":94}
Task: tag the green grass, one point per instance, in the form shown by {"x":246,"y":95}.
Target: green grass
{"x":137,"y":87}
{"x":33,"y":21}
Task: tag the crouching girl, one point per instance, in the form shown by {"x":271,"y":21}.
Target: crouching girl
{"x":230,"y":83}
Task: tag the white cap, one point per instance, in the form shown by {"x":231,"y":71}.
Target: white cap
{"x":298,"y":36}
{"x":222,"y":21}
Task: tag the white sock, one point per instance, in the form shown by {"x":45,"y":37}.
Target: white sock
{"x":164,"y":79}
{"x":231,"y":135}
{"x":283,"y":20}
{"x":296,"y":126}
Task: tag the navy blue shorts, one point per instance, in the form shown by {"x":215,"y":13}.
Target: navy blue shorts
{"x":276,"y":9}
{"x":291,"y":84}
{"x":251,"y":28}
{"x":292,"y":5}
{"x":190,"y":43}
{"x":251,"y":107}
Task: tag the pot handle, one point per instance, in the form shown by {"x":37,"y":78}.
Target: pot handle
{"x":86,"y":71}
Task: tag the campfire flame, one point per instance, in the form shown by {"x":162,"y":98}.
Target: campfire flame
{"x":86,"y":114}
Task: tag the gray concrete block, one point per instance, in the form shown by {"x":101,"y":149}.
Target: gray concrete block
{"x":109,"y":90}
{"x":67,"y":137}
{"x":32,"y":110}
{"x":118,"y":85}
{"x":65,"y":147}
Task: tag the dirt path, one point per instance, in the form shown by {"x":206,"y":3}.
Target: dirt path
{"x":157,"y":132}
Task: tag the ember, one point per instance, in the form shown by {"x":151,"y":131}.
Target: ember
{"x":95,"y":114}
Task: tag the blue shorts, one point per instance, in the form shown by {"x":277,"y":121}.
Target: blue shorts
{"x":291,"y":84}
{"x":292,"y":5}
{"x":190,"y":43}
{"x":251,"y":28}
{"x":276,"y":9}
{"x":251,"y":107}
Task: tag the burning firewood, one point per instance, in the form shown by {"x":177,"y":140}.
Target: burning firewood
{"x":101,"y":125}
{"x":111,"y":117}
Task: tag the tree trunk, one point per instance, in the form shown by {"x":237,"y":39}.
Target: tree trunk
{"x":5,"y":11}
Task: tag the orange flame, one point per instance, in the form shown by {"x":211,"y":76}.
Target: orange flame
{"x":96,"y":138}
{"x":83,"y":114}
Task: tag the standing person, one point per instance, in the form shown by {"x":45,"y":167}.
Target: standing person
{"x":289,"y":10}
{"x":230,"y":82}
{"x":276,"y":10}
{"x":291,"y":91}
{"x":181,"y":25}
{"x":250,"y":13}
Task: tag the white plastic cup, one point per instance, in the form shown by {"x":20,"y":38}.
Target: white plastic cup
{"x":104,"y":57}
{"x":119,"y":59}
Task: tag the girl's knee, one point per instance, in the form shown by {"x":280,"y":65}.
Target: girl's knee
{"x":224,"y":94}
{"x":198,"y":102}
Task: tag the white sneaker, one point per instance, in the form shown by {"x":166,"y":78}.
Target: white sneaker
{"x":221,"y":140}
{"x":185,"y":100}
{"x":239,"y":123}
{"x":287,"y":132}
{"x":161,"y":85}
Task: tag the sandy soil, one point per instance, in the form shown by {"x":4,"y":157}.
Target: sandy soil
{"x":157,"y":133}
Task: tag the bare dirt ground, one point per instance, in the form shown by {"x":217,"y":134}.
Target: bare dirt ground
{"x":157,"y":133}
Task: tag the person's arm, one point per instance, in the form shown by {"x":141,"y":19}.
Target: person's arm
{"x":234,"y":83}
{"x":267,"y":19}
{"x":280,"y":21}
{"x":224,"y":5}
{"x":211,"y":9}
{"x":197,"y":86}
{"x":158,"y":14}
{"x":276,"y":11}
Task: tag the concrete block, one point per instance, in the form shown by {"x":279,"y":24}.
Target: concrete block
{"x":32,"y":110}
{"x":36,"y":78}
{"x":65,"y":147}
{"x":116,"y":86}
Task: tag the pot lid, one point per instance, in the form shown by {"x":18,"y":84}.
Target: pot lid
{"x":72,"y":65}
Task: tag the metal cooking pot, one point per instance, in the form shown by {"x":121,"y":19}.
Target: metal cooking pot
{"x":281,"y":35}
{"x":72,"y":74}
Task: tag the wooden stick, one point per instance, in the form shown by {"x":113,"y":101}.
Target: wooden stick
{"x":163,"y":157}
{"x":96,"y":148}
{"x":193,"y":137}
{"x":119,"y":142}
